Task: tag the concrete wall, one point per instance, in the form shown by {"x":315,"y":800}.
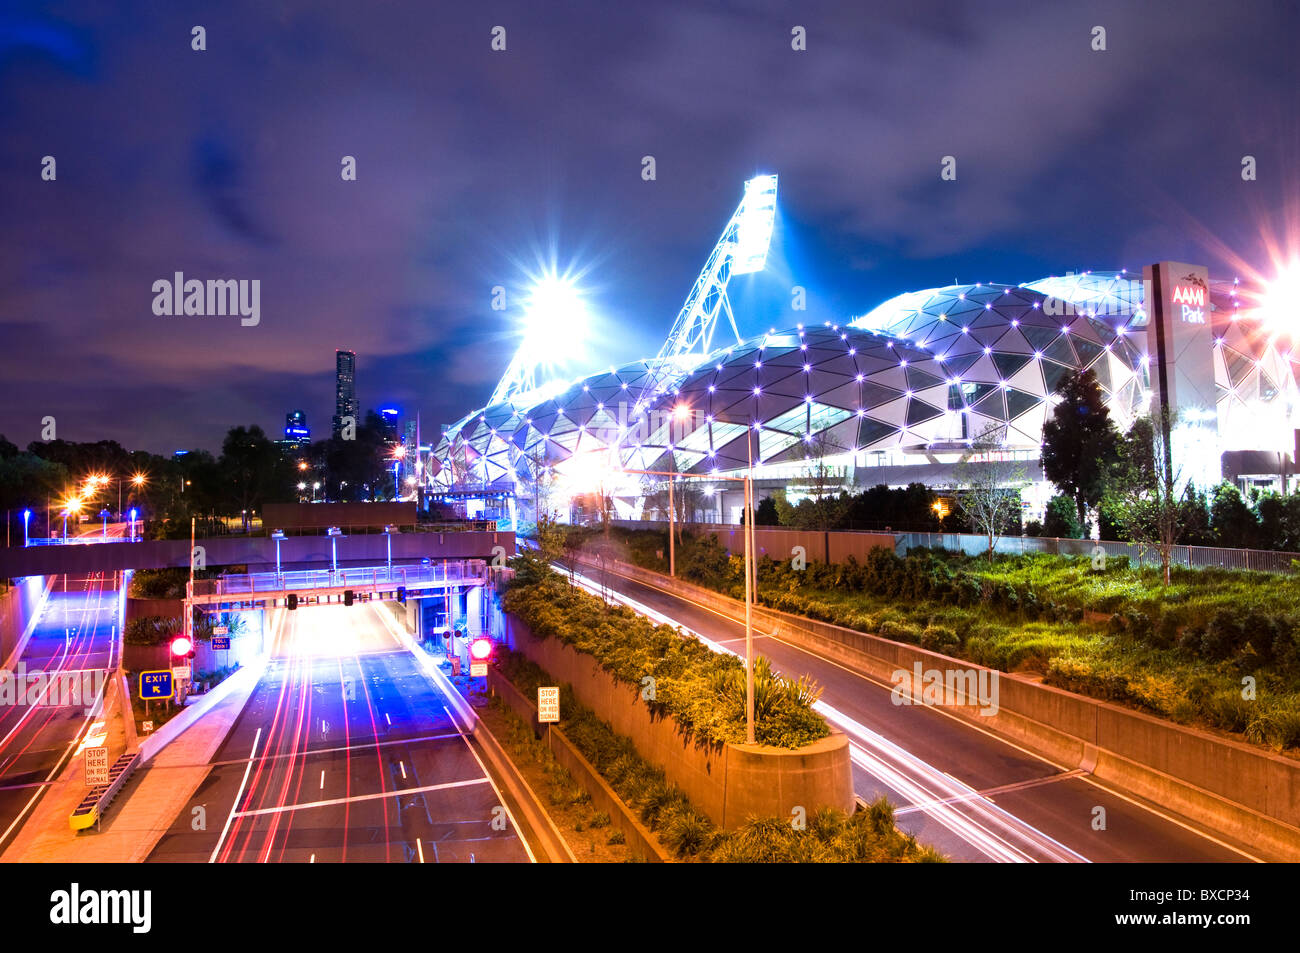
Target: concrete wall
{"x":731,"y":783}
{"x":243,"y":648}
{"x":640,"y":841}
{"x":779,"y":543}
{"x":18,"y":606}
{"x":256,"y":552}
{"x":343,"y":515}
{"x":1247,"y":792}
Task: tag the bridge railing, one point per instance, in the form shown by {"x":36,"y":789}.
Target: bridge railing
{"x":471,"y":570}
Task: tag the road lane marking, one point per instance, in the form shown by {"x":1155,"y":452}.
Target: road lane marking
{"x":989,"y":792}
{"x":330,"y":802}
{"x":322,"y":779}
{"x":908,"y":774}
{"x":1086,"y":778}
{"x":419,"y":847}
{"x":239,"y":794}
{"x":488,"y":777}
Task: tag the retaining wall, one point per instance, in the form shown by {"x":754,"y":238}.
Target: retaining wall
{"x":730,"y":783}
{"x":640,"y":841}
{"x":18,"y":605}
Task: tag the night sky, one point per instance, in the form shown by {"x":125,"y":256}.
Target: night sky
{"x":476,"y":168}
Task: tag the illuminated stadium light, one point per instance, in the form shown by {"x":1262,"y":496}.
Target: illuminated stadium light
{"x":1279,"y":308}
{"x":554,"y":322}
{"x":757,"y":215}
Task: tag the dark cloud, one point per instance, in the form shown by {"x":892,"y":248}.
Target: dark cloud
{"x":476,"y":167}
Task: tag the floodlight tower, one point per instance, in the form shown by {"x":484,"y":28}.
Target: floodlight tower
{"x":741,"y":250}
{"x":554,"y":315}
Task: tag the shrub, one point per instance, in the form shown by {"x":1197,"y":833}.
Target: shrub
{"x":938,"y":638}
{"x":694,"y":685}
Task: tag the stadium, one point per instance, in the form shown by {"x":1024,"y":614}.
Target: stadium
{"x":900,"y":394}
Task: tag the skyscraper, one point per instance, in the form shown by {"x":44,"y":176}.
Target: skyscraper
{"x":297,"y":435}
{"x":345,"y":389}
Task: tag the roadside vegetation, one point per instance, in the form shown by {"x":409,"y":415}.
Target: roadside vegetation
{"x":703,"y":691}
{"x":829,"y":836}
{"x":1186,"y":651}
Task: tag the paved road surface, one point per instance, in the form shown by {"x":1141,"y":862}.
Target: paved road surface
{"x":345,"y":752}
{"x":74,"y":632}
{"x":967,"y":792}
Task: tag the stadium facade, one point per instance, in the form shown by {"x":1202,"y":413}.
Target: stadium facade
{"x":898,"y":395}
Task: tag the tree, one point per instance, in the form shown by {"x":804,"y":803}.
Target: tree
{"x":539,"y":474}
{"x":1061,"y":518}
{"x":1080,"y":442}
{"x":253,"y":470}
{"x":1142,"y":492}
{"x":765,"y":513}
{"x":1232,"y":521}
{"x":988,"y":494}
{"x":826,"y":500}
{"x":550,"y":538}
{"x":1279,"y":521}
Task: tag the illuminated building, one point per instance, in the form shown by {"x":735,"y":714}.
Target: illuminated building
{"x":897,"y":395}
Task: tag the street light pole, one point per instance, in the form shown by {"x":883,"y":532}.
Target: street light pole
{"x":672,"y":520}
{"x":750,"y":581}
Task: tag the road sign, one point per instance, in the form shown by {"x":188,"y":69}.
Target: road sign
{"x":220,"y":644}
{"x":221,"y":630}
{"x":146,"y":726}
{"x":548,"y":703}
{"x":96,"y":766}
{"x":478,"y":669}
{"x":181,"y":673}
{"x":156,"y":685}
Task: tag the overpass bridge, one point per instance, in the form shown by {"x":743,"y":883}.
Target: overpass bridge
{"x":259,"y":553}
{"x":264,"y":590}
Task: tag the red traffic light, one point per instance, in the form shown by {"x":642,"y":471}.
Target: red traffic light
{"x":181,"y":646}
{"x":481,"y":649}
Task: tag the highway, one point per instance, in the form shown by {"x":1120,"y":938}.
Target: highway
{"x":74,"y":633}
{"x":972,"y":795}
{"x":345,"y":752}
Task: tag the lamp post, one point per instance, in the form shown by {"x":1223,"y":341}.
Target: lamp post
{"x":334,"y":534}
{"x":747,"y":482}
{"x":277,"y":535}
{"x":134,"y":511}
{"x":388,"y":533}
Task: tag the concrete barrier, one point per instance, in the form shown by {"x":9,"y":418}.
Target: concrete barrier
{"x":1246,"y":792}
{"x":730,"y":783}
{"x":640,"y":841}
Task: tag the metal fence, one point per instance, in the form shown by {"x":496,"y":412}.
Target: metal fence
{"x":1192,"y":557}
{"x":410,"y":577}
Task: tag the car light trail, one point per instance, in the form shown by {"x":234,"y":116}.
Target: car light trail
{"x":996,"y":833}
